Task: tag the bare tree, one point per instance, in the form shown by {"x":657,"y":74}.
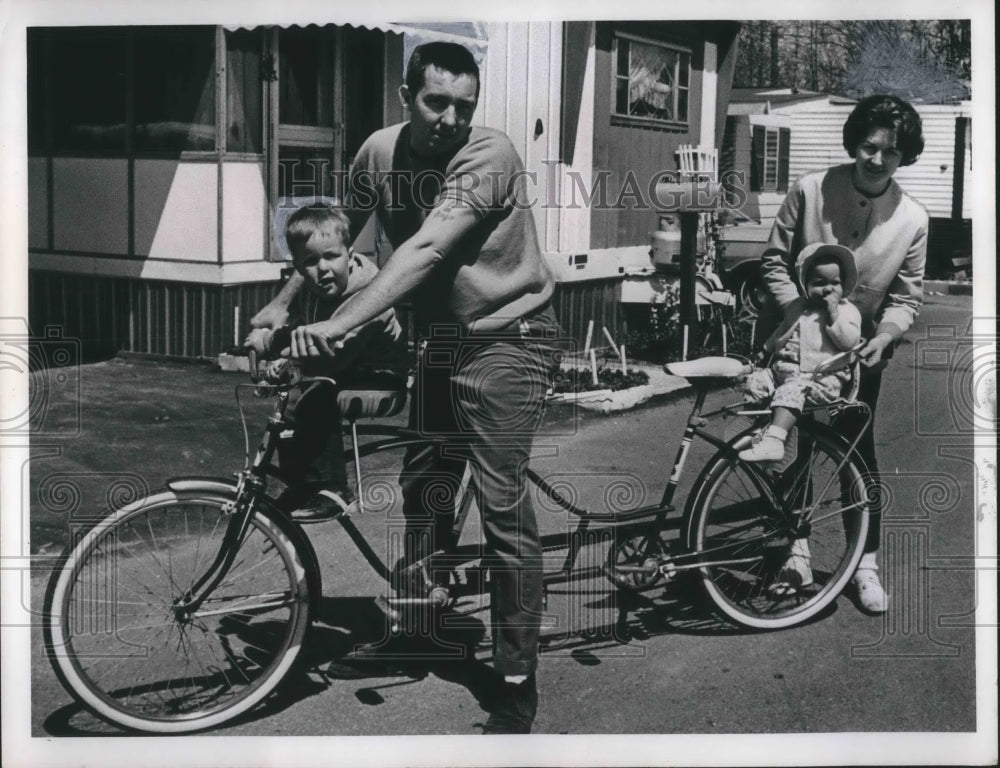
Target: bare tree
{"x":923,"y":60}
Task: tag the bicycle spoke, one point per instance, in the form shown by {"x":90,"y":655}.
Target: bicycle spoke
{"x":802,"y":512}
{"x":140,"y":653}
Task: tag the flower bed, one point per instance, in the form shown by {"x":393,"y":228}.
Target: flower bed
{"x":614,"y":391}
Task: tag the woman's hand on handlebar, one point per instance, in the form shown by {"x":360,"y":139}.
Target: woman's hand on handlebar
{"x":871,"y":353}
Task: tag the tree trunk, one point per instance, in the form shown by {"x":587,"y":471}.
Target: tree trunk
{"x":775,"y":76}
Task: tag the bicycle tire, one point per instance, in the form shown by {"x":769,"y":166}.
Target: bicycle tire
{"x":731,"y":514}
{"x":120,"y":649}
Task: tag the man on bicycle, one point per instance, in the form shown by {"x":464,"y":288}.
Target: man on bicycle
{"x":452,"y":200}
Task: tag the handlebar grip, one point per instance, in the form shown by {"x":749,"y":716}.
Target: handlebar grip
{"x":252,"y":359}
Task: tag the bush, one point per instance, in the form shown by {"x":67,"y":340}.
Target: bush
{"x":655,"y":333}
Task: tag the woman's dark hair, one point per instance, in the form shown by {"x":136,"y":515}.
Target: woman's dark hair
{"x":885,"y":112}
{"x":450,"y":57}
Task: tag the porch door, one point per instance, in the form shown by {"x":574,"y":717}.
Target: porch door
{"x":310,"y":111}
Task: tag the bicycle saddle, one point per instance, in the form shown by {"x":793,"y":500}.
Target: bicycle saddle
{"x":726,"y":367}
{"x":360,"y":403}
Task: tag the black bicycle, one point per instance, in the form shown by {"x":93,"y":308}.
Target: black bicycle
{"x":185,"y":609}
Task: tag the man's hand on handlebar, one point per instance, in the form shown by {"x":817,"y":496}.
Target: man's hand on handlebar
{"x":268,"y":343}
{"x":321,"y":339}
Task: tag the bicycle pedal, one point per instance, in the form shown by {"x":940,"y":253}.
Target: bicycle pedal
{"x":394,"y":617}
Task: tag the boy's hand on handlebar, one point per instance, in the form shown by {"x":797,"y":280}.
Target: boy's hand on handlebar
{"x":281,"y":371}
{"x":259,"y":340}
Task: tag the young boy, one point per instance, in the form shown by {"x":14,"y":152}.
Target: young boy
{"x":318,"y":238}
{"x":818,"y":325}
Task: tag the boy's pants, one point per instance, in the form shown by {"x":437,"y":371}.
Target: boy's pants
{"x":313,"y":457}
{"x":485,"y":396}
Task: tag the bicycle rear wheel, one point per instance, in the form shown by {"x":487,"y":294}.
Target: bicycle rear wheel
{"x":744,"y":521}
{"x":120,"y":646}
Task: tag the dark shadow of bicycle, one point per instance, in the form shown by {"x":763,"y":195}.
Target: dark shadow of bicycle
{"x":349,"y":643}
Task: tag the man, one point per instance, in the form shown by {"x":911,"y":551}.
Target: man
{"x":451,"y":198}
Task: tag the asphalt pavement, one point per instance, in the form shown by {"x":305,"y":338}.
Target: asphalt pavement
{"x":653,"y":664}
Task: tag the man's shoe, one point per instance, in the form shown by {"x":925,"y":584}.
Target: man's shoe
{"x":515,"y":708}
{"x":871,"y":595}
{"x":395,"y":656}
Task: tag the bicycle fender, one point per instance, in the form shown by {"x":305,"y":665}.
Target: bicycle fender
{"x":225,"y":487}
{"x":220,"y":485}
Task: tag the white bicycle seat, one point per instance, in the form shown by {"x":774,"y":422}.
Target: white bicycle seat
{"x":724,"y":367}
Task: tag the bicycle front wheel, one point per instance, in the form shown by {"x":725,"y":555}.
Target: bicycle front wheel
{"x":121,"y":646}
{"x":778,"y":547}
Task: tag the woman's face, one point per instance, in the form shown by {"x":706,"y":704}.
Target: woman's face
{"x":875,"y":160}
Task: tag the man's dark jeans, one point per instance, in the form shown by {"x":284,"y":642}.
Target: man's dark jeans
{"x":485,"y":396}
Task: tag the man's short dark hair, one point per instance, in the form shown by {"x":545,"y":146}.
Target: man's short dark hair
{"x":450,"y":57}
{"x":885,"y":112}
{"x":310,"y":219}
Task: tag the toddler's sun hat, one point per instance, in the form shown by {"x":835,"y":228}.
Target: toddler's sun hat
{"x":843,"y":255}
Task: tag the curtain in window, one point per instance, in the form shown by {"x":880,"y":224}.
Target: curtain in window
{"x":650,"y":81}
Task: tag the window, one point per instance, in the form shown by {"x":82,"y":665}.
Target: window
{"x":306,"y":77}
{"x":652,"y":81}
{"x":244,"y":97}
{"x":174,"y":89}
{"x":86,"y":79}
{"x":771,"y":146}
{"x":769,"y":169}
{"x":116,"y":91}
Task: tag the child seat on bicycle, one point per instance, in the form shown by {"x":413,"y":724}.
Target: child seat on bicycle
{"x":369,"y":366}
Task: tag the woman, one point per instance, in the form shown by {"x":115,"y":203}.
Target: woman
{"x":859,"y":205}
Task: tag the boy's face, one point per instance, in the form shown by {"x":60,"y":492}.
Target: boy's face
{"x":324,"y":262}
{"x":824,"y":280}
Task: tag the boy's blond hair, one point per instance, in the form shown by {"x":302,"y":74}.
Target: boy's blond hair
{"x":310,"y":219}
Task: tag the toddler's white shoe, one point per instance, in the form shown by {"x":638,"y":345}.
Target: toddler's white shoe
{"x":796,"y":573}
{"x":765,"y":447}
{"x":871,"y":595}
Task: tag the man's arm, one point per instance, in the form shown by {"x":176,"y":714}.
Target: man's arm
{"x":275,"y":313}
{"x":407,"y":268}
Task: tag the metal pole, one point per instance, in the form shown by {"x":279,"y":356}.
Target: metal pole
{"x":689,"y":268}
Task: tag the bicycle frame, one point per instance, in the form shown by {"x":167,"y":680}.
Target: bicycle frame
{"x":253,"y":481}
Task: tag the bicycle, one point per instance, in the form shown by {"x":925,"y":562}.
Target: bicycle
{"x":185,"y":609}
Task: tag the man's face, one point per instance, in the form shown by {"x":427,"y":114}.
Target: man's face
{"x":441,"y":111}
{"x":824,"y":280}
{"x":324,"y":262}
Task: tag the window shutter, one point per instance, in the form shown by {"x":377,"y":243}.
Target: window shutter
{"x":757,"y":159}
{"x":784,"y":139}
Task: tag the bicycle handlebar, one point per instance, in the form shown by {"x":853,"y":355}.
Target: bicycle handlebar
{"x":296,"y":381}
{"x":839,"y":361}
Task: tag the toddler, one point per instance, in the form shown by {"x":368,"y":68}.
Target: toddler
{"x":318,"y":238}
{"x":816,"y":326}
